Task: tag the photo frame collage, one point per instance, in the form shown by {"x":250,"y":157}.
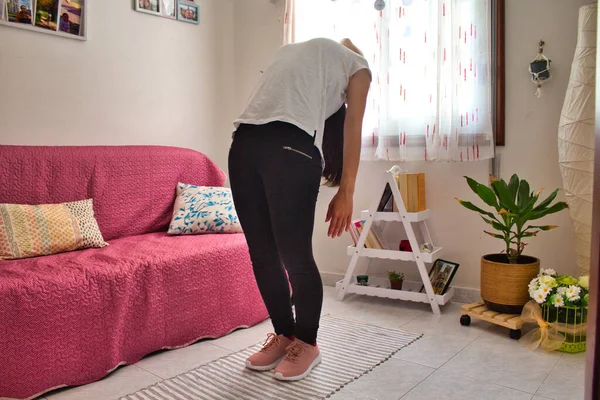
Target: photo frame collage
{"x":64,"y":17}
{"x":186,"y":11}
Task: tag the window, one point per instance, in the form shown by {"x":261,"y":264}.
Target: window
{"x":433,"y":96}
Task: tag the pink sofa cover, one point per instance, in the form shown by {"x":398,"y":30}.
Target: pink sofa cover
{"x":71,"y":318}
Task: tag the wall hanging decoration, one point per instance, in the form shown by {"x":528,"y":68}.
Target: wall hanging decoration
{"x":64,"y":18}
{"x":539,"y":69}
{"x":186,"y":11}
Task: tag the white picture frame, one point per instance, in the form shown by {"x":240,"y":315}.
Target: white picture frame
{"x":76,"y":18}
{"x":169,"y":9}
{"x":153,"y":7}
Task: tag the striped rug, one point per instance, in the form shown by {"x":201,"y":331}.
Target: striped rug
{"x":349,"y":349}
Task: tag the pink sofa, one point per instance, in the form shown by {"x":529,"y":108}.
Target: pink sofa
{"x":72,"y":318}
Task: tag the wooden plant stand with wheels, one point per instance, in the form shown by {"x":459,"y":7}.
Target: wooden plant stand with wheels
{"x":480,"y":311}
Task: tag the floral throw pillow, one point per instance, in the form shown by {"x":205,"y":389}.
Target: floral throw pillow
{"x":202,"y":209}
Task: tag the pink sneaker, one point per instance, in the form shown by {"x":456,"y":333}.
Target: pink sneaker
{"x":300,"y":360}
{"x":273,"y":351}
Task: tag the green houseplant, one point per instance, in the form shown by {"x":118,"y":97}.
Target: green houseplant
{"x":396,"y":280}
{"x":513,"y":207}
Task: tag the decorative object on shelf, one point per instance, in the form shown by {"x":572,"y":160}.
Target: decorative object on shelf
{"x":505,"y":276}
{"x":559,"y":307}
{"x":57,"y":17}
{"x":188,"y":12}
{"x":426,"y":248}
{"x":539,"y":69}
{"x":441,"y":276}
{"x":396,"y":280}
{"x":362,"y":280}
{"x":379,"y":5}
{"x":576,"y":134}
{"x":405,"y":246}
{"x":374,"y":220}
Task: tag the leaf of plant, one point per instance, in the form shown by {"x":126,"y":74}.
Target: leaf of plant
{"x":524,"y":196}
{"x":495,"y":235}
{"x":506,"y":201}
{"x":533,"y":215}
{"x":513,"y":186}
{"x":542,"y":227}
{"x":473,"y":207}
{"x":497,"y":225}
{"x":485,"y":193}
{"x":547,"y":201}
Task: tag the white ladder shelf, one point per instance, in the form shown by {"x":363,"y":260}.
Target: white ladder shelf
{"x":380,"y":287}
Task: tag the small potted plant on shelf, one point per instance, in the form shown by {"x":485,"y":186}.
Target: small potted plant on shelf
{"x":396,"y":280}
{"x":564,"y":303}
{"x":505,"y":276}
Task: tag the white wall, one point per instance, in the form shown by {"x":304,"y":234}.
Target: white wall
{"x":531,"y":149}
{"x":145,"y":80}
{"x":139,"y":79}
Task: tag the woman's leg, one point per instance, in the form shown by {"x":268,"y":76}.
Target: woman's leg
{"x":291,"y":177}
{"x":253,"y":211}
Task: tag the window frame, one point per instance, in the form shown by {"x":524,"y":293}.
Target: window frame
{"x":498,"y":71}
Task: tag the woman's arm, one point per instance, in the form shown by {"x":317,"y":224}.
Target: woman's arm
{"x":341,"y":206}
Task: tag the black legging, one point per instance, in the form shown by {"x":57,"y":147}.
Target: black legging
{"x":275,"y":173}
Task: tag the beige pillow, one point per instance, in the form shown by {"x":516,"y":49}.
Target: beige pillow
{"x":30,"y":231}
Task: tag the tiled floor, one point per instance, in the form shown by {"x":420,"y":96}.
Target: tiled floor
{"x":450,"y":362}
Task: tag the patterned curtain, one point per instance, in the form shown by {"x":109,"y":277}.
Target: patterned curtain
{"x":431,"y":92}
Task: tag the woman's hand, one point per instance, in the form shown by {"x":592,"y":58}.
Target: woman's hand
{"x":340,"y":213}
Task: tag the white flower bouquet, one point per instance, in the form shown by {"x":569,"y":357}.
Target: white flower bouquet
{"x":563,"y":302}
{"x":559,"y":291}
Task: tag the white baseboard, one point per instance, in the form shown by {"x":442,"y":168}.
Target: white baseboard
{"x":461,"y":294}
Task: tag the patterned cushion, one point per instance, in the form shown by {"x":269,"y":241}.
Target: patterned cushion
{"x":201,"y":209}
{"x":31,"y":231}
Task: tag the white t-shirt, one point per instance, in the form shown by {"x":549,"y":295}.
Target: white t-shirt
{"x":304,"y":85}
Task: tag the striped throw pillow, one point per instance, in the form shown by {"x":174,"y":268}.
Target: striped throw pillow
{"x":31,"y":231}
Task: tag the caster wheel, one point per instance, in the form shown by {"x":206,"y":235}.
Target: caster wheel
{"x":465,"y":320}
{"x":515,"y":334}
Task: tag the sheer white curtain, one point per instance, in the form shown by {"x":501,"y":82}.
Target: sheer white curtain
{"x":431,"y":92}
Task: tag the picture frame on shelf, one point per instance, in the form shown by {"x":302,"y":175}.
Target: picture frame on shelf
{"x":441,"y":275}
{"x":188,"y":12}
{"x":149,"y":6}
{"x":65,"y":18}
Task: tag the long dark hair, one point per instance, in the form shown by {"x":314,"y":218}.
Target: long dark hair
{"x":333,"y":147}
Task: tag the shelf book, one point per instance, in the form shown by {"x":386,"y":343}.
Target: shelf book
{"x":412,"y":191}
{"x":375,"y":238}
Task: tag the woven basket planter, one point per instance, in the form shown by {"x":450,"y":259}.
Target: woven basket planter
{"x":573,"y":319}
{"x":504,"y":285}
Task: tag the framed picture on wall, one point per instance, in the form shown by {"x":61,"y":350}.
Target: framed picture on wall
{"x":20,"y":11}
{"x":168,"y":9}
{"x":148,"y":6}
{"x":188,"y":12}
{"x":57,"y":17}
